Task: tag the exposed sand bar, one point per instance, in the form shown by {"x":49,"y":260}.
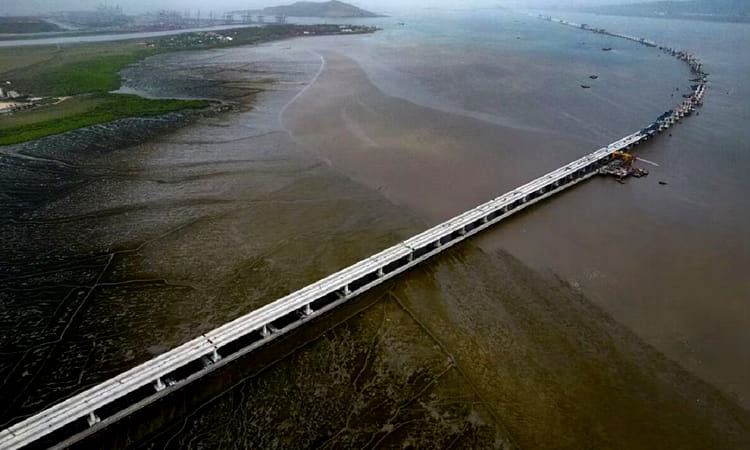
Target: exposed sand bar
{"x":434,"y":163}
{"x":602,"y":239}
{"x":437,"y":164}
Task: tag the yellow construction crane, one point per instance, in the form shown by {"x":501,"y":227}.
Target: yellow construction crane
{"x":629,"y":158}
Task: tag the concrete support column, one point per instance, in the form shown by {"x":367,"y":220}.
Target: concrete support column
{"x":264,"y":331}
{"x":462,"y":231}
{"x":215,"y":356}
{"x":307,"y":310}
{"x":410,"y":258}
{"x":93,"y":419}
{"x":347,"y":291}
{"x":159,"y":385}
{"x":380,"y":272}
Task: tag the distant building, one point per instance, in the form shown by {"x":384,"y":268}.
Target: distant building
{"x":103,"y":16}
{"x":170,"y":18}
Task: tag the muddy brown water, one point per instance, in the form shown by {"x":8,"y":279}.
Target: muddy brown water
{"x":116,"y":253}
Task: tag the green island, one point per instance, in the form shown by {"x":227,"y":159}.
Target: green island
{"x":63,"y":88}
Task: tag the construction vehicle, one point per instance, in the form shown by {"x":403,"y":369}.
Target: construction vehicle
{"x":621,"y":166}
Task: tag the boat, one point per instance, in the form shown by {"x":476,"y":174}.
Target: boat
{"x":585,"y":86}
{"x":607,"y":49}
{"x":593,"y":77}
{"x":638,"y":172}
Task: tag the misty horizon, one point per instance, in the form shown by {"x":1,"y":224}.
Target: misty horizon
{"x":33,"y":7}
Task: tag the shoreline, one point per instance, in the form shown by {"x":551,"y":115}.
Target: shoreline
{"x":94,"y":94}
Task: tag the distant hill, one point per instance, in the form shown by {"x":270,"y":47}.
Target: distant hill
{"x":26,"y":25}
{"x":332,"y":9}
{"x":717,"y":10}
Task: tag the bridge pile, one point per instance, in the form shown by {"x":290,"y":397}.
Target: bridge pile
{"x":91,"y":410}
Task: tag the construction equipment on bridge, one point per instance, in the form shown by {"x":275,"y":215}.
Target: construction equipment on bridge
{"x":113,"y":399}
{"x":622,"y":167}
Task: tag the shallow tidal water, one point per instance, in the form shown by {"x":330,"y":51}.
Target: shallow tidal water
{"x":548,"y":331}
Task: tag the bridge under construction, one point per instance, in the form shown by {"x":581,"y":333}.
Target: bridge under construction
{"x":93,"y":409}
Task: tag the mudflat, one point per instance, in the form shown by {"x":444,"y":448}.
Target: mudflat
{"x":113,"y":243}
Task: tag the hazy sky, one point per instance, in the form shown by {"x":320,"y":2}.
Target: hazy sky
{"x":134,"y":6}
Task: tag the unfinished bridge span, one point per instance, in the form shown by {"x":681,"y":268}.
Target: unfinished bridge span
{"x":94,"y":408}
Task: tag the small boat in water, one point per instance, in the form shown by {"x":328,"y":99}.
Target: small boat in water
{"x":585,"y":86}
{"x":593,"y":77}
{"x":607,"y":49}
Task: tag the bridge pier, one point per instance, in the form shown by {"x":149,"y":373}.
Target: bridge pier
{"x":241,"y":335}
{"x":93,"y":419}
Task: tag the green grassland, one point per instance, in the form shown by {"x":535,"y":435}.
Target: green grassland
{"x":98,"y":75}
{"x":77,"y":113}
{"x":71,"y":106}
{"x":90,"y":72}
{"x":87,"y":73}
{"x":34,"y":57}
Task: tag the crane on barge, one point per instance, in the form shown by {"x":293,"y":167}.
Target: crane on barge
{"x":622,"y":167}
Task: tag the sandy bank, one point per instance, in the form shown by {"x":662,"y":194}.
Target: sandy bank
{"x":433,"y":163}
{"x":546,"y":360}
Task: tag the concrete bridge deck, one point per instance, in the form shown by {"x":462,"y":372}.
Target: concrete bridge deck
{"x":111,"y":400}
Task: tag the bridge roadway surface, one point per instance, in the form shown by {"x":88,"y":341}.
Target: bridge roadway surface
{"x":93,"y":409}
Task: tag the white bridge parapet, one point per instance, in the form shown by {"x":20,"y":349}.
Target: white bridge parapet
{"x":113,"y":399}
{"x":257,"y":327}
